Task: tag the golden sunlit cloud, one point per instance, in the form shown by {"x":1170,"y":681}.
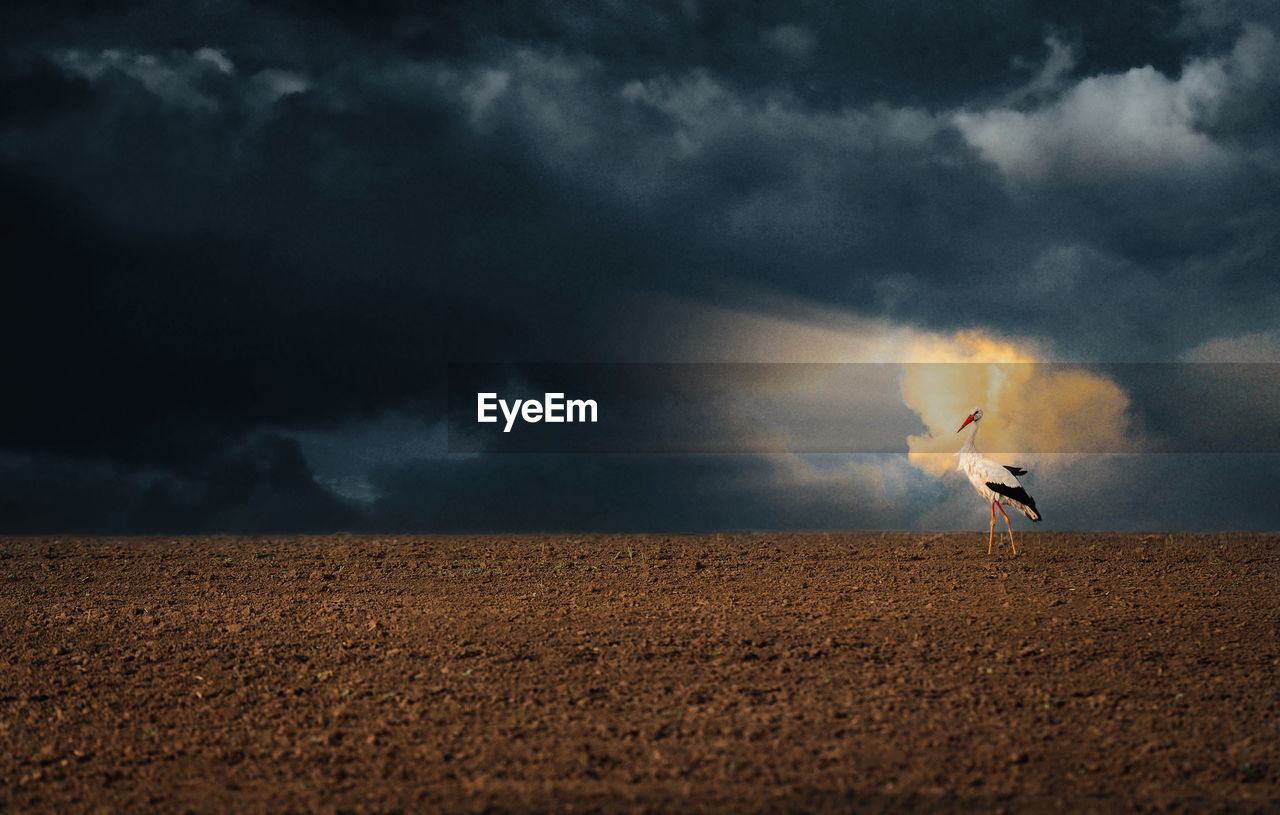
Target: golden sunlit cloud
{"x":1030,"y":408}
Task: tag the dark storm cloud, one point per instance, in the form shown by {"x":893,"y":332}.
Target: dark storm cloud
{"x":229,"y":219}
{"x":34,"y":88}
{"x":832,"y":53}
{"x":261,"y":485}
{"x":1162,"y":492}
{"x":189,"y":270}
{"x":693,"y":493}
{"x":720,"y":492}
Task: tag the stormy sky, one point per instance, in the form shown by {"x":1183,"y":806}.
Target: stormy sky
{"x":244,"y":242}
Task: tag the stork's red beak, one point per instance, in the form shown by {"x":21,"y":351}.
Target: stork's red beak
{"x":966,"y":423}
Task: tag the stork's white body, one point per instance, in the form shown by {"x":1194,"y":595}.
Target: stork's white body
{"x":983,"y":472}
{"x":997,"y":483}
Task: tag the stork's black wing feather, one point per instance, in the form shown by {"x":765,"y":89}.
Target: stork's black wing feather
{"x":1015,"y":470}
{"x":1016,"y":493}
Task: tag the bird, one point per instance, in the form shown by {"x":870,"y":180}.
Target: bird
{"x":997,"y":483}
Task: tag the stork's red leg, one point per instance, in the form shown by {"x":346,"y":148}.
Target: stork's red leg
{"x":992,"y":535}
{"x":1010,"y":528}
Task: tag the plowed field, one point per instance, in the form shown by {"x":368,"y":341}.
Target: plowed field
{"x":720,"y":673}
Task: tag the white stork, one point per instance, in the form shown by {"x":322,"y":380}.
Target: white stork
{"x":998,"y":483}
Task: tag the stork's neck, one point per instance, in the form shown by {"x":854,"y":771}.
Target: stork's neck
{"x":968,"y":440}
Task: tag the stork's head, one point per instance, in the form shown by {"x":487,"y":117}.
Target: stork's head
{"x":975,"y":415}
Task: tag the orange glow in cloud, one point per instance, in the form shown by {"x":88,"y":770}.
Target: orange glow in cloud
{"x":1029,"y":408}
{"x":951,"y":375}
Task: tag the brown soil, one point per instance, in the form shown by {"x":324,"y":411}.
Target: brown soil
{"x":735,"y":673}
